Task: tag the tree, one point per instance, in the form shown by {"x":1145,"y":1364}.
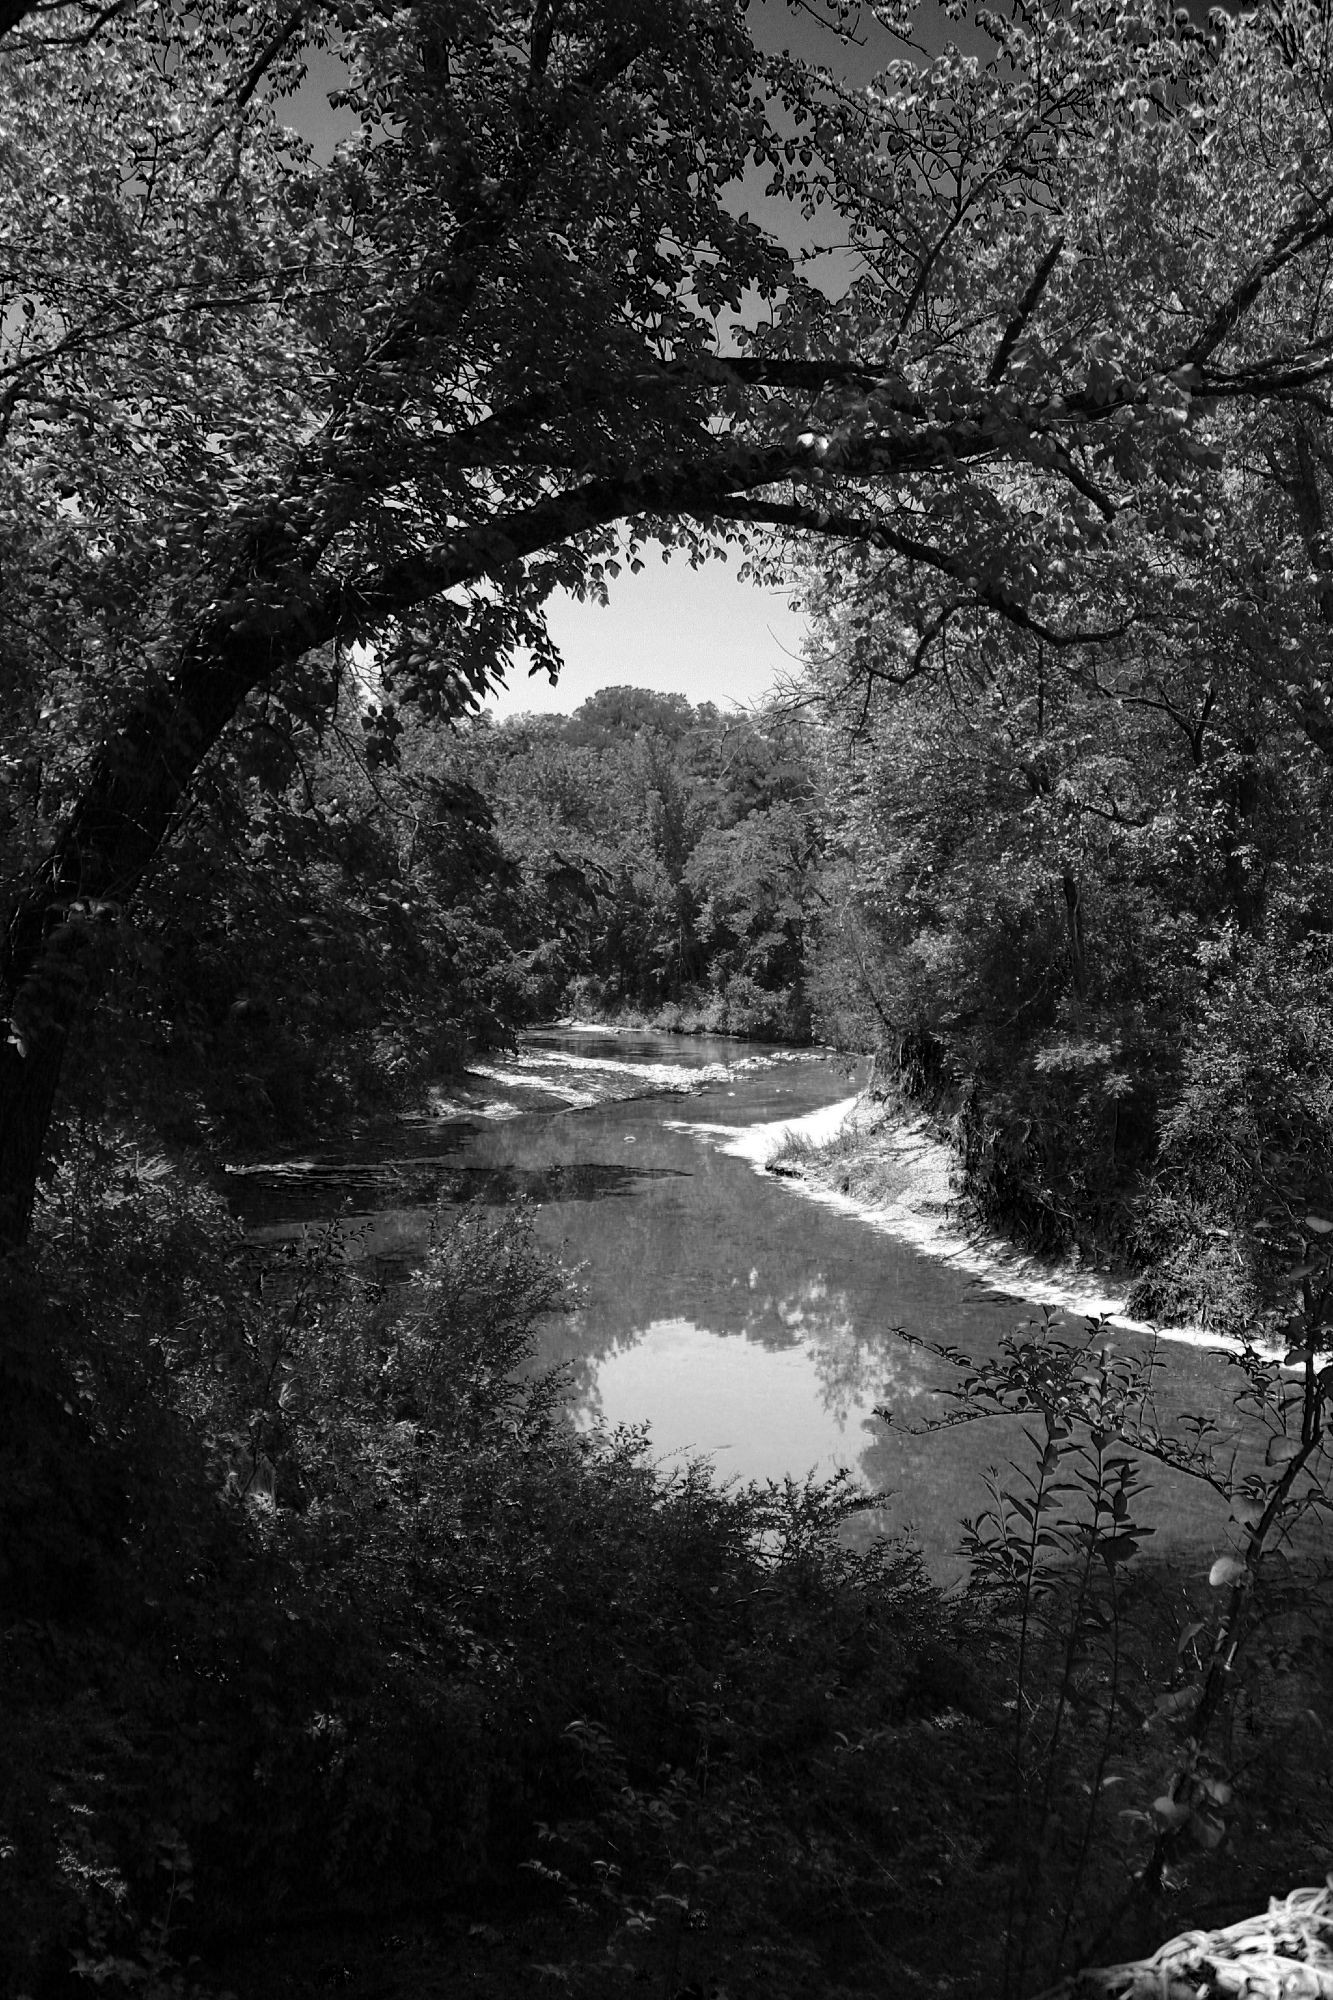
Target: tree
{"x":751,"y":881}
{"x":388,"y":378}
{"x":260,"y":407}
{"x":320,"y":935}
{"x":688,"y":831}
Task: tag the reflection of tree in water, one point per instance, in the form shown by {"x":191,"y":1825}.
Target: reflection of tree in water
{"x":688,"y":1249}
{"x":856,"y":1365}
{"x":854,"y":1369}
{"x":858,"y":1369}
{"x":578,"y":1375}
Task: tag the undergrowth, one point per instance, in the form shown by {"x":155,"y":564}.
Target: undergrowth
{"x":314,"y":1605}
{"x":315,"y":1609}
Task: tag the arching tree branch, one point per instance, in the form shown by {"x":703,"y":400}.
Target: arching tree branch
{"x":871,"y":533}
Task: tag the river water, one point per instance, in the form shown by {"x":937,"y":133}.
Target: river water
{"x":719,"y":1304}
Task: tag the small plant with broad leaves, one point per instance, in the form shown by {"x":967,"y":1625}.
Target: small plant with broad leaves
{"x":1152,"y":1721}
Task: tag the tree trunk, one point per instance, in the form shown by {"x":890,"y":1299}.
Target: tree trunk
{"x":100,"y":856}
{"x":1078,"y":962}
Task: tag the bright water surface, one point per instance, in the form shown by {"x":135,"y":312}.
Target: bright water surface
{"x":720,"y":1305}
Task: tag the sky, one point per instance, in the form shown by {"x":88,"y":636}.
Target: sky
{"x":697,"y":632}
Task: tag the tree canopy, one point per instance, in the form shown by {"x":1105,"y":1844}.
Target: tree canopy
{"x":672,"y":851}
{"x":260,"y":405}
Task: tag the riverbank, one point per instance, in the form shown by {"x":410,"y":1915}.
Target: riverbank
{"x":893,"y":1170}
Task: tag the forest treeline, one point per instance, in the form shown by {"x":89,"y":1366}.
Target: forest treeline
{"x":1080,"y":903}
{"x":677,"y":849}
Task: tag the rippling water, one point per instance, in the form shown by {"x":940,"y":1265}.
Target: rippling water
{"x":719,"y":1305}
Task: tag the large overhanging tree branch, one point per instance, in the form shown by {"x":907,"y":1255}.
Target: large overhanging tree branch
{"x":60,"y":21}
{"x":136,"y":782}
{"x":863,"y":532}
{"x":259,"y":405}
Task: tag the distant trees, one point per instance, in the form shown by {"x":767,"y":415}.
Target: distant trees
{"x":676,"y":849}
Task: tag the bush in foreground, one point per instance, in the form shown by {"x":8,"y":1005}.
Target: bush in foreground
{"x":314,"y":1604}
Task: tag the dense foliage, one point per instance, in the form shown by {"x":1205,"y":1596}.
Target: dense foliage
{"x":327,"y":932}
{"x":1076,"y":864}
{"x":1097,"y":940}
{"x":676,"y":850}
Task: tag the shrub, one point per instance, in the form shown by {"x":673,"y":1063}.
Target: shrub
{"x":1246,"y":1147}
{"x":314,"y":1602}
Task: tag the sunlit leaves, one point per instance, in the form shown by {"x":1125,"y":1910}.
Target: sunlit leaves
{"x":1227,"y":1572}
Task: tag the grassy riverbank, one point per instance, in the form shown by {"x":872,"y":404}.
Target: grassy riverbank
{"x":899,"y":1168}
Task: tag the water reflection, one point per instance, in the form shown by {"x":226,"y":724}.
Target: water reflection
{"x":792,"y":1390}
{"x":747,"y":1409}
{"x":464,"y":1187}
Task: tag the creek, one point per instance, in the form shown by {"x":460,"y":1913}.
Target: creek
{"x":717,"y":1303}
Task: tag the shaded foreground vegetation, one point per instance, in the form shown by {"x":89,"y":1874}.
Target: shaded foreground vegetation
{"x":316,"y":1613}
